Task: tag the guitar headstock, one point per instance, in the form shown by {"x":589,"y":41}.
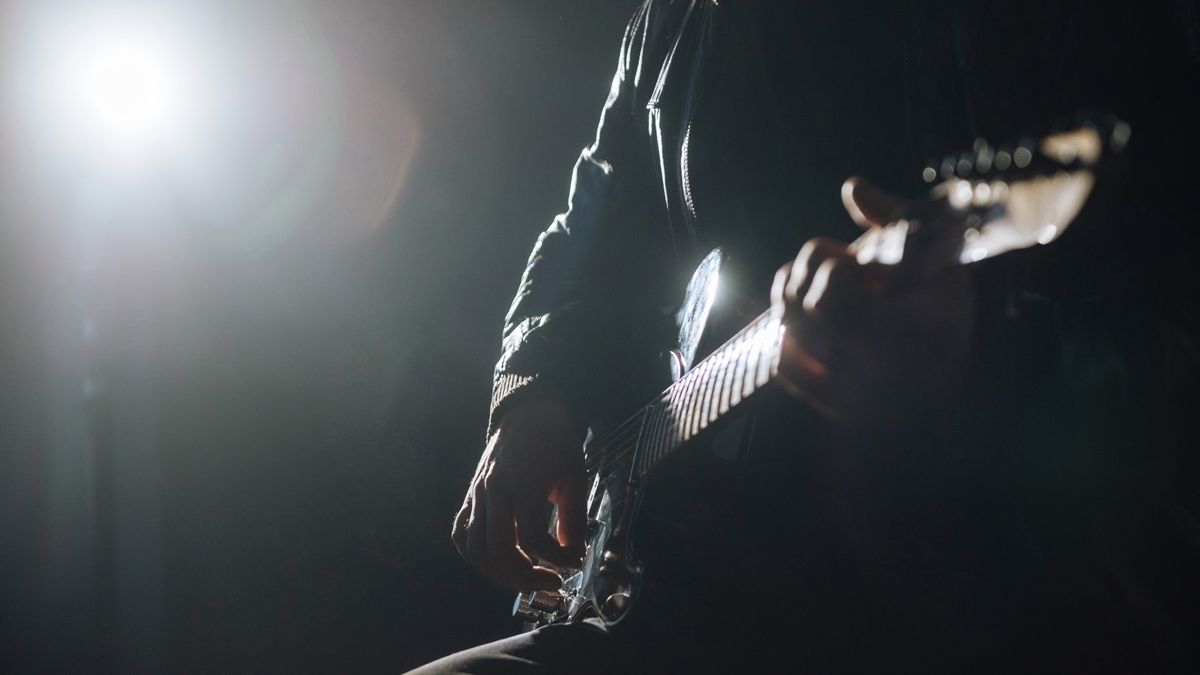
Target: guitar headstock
{"x":994,"y":200}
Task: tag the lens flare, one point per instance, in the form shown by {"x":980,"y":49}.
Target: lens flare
{"x":127,"y":89}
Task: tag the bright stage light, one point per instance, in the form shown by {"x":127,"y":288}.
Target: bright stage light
{"x":125,"y":91}
{"x":106,"y":86}
{"x":129,"y":92}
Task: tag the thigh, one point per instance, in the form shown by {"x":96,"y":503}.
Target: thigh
{"x":579,"y":647}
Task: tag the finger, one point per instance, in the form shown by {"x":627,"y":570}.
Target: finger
{"x":535,"y":540}
{"x":869,"y":206}
{"x":505,"y":563}
{"x":780,"y":283}
{"x":572,"y":518}
{"x":807,"y":262}
{"x":836,"y":290}
{"x":516,"y":571}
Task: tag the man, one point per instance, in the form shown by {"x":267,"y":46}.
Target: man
{"x":1014,"y":487}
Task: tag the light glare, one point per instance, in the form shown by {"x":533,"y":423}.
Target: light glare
{"x":128,"y":90}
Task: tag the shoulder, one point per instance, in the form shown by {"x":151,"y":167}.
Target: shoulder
{"x":653,"y":30}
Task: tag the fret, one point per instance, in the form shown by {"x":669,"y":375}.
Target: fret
{"x":645,"y":447}
{"x":700,"y":417}
{"x":719,"y":384}
{"x":692,"y":406}
{"x":687,"y":387}
{"x":727,"y":384}
{"x":731,"y":383}
{"x":720,"y":365}
{"x":739,"y":372}
{"x":670,"y":408}
{"x":703,"y":395}
{"x":698,"y":421}
{"x":766,"y":359}
{"x":671,"y":431}
{"x":750,"y":356}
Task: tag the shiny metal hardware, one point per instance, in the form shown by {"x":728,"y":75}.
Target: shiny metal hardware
{"x":616,"y":603}
{"x":539,"y":606}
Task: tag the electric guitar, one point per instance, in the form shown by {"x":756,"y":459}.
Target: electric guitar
{"x":979,"y":206}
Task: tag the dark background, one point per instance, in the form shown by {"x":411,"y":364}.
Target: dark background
{"x":235,"y":441}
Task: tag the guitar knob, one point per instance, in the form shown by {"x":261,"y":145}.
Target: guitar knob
{"x":613,"y":568}
{"x":616,"y":603}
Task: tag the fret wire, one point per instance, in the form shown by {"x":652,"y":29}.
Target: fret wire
{"x":664,"y":438}
{"x":689,"y":403}
{"x":671,"y":423}
{"x":644,"y":444}
{"x":714,"y":382}
{"x":764,"y":366}
{"x":751,"y":356}
{"x":694,"y":396}
{"x":688,"y":384}
{"x":722,"y":380}
{"x":706,"y":388}
{"x":721,"y":383}
{"x":735,"y":355}
{"x":739,"y":370}
{"x":714,"y":394}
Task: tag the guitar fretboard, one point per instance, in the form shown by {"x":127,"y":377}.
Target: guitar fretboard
{"x":716,"y":385}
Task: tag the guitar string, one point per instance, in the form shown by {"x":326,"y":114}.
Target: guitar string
{"x":618,"y":435}
{"x":606,"y":459}
{"x":613,"y":453}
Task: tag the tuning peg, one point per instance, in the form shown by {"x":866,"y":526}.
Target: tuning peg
{"x":1023,"y":155}
{"x":613,"y":568}
{"x":983,"y":158}
{"x":947,"y":168}
{"x":1003,"y":158}
{"x":965,"y":165}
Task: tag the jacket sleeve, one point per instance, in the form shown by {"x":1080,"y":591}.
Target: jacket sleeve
{"x":592,"y":281}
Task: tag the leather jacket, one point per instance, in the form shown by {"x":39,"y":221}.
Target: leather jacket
{"x":599,"y":278}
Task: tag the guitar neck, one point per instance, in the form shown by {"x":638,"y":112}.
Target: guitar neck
{"x":730,"y":375}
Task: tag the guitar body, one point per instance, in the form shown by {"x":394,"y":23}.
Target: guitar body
{"x":653,"y":536}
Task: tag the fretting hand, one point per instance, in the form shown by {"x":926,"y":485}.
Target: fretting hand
{"x":861,"y":341}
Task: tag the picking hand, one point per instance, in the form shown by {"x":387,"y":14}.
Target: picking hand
{"x":534,"y":459}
